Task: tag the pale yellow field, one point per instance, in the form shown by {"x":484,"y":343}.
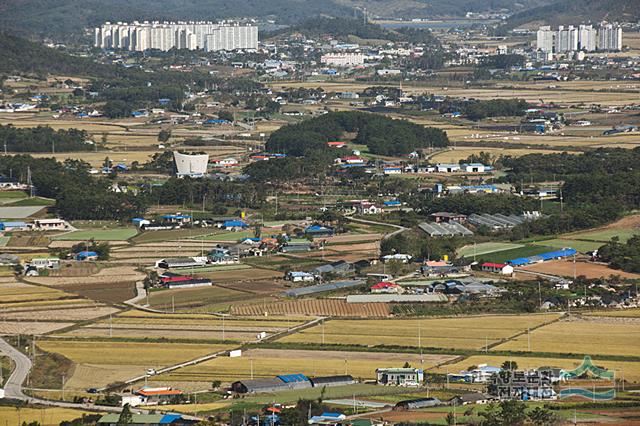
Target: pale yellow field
{"x":464,"y":332}
{"x":271,"y":362}
{"x":44,"y":416}
{"x":583,"y":337}
{"x":124,"y":353}
{"x":96,"y":159}
{"x":30,"y":328}
{"x":631,"y":370}
{"x":623,"y":313}
{"x":14,"y":291}
{"x":101,"y":363}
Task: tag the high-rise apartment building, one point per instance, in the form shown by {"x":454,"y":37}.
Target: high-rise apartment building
{"x":584,"y":38}
{"x":181,"y":35}
{"x":545,"y":39}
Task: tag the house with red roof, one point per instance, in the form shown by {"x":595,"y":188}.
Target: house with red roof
{"x":336,"y":144}
{"x":497,"y":268}
{"x":385,"y":287}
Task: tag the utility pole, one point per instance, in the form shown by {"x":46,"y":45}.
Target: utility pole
{"x":529,"y":339}
{"x":64,"y":379}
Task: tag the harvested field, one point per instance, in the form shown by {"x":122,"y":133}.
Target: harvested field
{"x":69,"y":314}
{"x":117,"y":234}
{"x":588,"y":336}
{"x":115,"y":292}
{"x":472,"y":332}
{"x":622,"y":313}
{"x":242,"y":275}
{"x":11,"y":292}
{"x":196,"y":297}
{"x":100,"y":363}
{"x":271,"y":362}
{"x":30,"y":328}
{"x":99,"y":278}
{"x":206,"y":328}
{"x":322,"y":307}
{"x":256,"y":287}
{"x":588,"y":269}
{"x":352,"y":238}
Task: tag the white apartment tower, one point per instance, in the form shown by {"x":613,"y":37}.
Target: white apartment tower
{"x":180,"y":35}
{"x":545,"y":39}
{"x":610,"y":37}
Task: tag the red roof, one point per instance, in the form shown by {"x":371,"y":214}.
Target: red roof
{"x":176,"y":279}
{"x":336,"y":143}
{"x":352,"y":158}
{"x":383,"y":284}
{"x":494,"y":265}
{"x":152,"y":392}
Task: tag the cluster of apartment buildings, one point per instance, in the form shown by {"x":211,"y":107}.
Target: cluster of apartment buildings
{"x":208,"y":36}
{"x":581,"y":38}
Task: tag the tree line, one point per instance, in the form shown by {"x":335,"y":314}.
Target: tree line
{"x":43,"y":139}
{"x":382,"y":135}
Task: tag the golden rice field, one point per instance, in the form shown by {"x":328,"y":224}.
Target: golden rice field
{"x":622,"y":313}
{"x":10,"y":415}
{"x":612,"y":336}
{"x":99,"y":363}
{"x":19,"y":292}
{"x":272,"y":362}
{"x":455,"y":155}
{"x":630,"y":370}
{"x":463,"y":332}
{"x":205,"y":327}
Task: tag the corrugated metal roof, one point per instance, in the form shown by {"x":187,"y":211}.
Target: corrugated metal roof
{"x":291,"y":378}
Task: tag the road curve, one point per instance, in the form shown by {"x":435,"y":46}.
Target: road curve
{"x":399,"y":228}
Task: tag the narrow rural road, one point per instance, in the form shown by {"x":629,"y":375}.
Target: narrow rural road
{"x":399,"y":228}
{"x":13,"y":386}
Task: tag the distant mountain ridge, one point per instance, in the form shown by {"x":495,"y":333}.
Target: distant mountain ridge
{"x":66,"y":19}
{"x":579,"y":11}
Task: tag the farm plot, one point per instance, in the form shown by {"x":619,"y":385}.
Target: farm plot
{"x":116,"y":234}
{"x":215,"y":297}
{"x":102,"y":362}
{"x":42,"y":416}
{"x":588,"y":336}
{"x":581,"y":246}
{"x":462,"y":333}
{"x":205,"y":327}
{"x":30,"y":328}
{"x":566,"y":268}
{"x":271,"y":362}
{"x":631,"y":369}
{"x":322,"y":307}
{"x":13,"y":291}
{"x":74,"y":313}
{"x":524,"y":251}
{"x":486,"y":248}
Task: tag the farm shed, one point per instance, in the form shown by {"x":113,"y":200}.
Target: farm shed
{"x":295,"y":381}
{"x":328,"y":381}
{"x":414,"y":404}
{"x":259,"y":385}
{"x":557,"y":254}
{"x":400,"y":376}
{"x":178,"y":262}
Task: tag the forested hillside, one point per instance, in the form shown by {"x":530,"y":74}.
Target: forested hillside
{"x":578,"y":11}
{"x":67,"y":19}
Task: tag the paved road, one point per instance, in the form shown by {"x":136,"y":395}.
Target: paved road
{"x":13,"y":386}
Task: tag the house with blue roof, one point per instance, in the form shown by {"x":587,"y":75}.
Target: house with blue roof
{"x":318,"y":231}
{"x":234,"y":225}
{"x":13,"y":226}
{"x":86,"y":255}
{"x":112,"y":419}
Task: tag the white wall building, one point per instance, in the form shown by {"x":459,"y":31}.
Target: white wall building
{"x":583,"y":38}
{"x":191,"y":165}
{"x":165,"y":36}
{"x":348,"y":59}
{"x":545,"y":39}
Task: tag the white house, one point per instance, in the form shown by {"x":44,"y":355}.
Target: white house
{"x":474,"y":168}
{"x":447,"y":168}
{"x":404,"y":258}
{"x":226,"y":162}
{"x":497,"y":268}
{"x":49,"y":224}
{"x":366,"y":207}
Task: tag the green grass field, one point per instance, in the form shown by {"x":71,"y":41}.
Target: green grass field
{"x":227,"y":236}
{"x":581,"y":246}
{"x":117,"y":234}
{"x":524,"y":251}
{"x":486,"y":248}
{"x":606,"y":234}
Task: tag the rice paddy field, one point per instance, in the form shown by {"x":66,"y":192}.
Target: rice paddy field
{"x":98,"y":363}
{"x":10,"y":415}
{"x":459,"y":333}
{"x":486,"y":248}
{"x":271,"y":362}
{"x":118,"y":234}
{"x":590,"y":336}
{"x":178,"y":326}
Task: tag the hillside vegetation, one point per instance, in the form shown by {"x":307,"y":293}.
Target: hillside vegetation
{"x":67,"y":19}
{"x":575,"y":12}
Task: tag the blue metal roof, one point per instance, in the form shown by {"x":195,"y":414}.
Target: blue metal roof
{"x":234,"y":224}
{"x":292,"y":378}
{"x":169,"y":418}
{"x":566,"y":252}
